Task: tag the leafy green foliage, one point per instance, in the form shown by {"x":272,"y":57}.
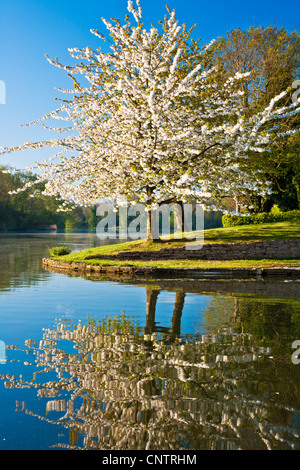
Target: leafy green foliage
{"x":59,"y":251}
{"x":261,"y":218}
{"x":272,"y":56}
{"x":30,"y":209}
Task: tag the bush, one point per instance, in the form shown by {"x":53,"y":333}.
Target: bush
{"x":59,"y":251}
{"x":262,"y":218}
{"x":233,"y":220}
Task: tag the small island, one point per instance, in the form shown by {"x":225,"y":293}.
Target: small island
{"x":272,"y":248}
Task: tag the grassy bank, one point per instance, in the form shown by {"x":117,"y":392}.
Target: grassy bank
{"x":192,"y":264}
{"x":238,"y":234}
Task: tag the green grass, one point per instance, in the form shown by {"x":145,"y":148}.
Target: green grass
{"x":238,"y":234}
{"x":193,"y":264}
{"x":59,"y":251}
{"x":248,"y":233}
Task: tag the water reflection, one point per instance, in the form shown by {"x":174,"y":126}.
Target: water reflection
{"x":194,"y":364}
{"x":116,"y":384}
{"x":151,"y":302}
{"x":21,"y":255}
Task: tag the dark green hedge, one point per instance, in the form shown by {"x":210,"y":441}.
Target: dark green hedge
{"x":262,"y":218}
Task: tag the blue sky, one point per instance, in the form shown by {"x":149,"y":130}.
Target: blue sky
{"x":29,"y":29}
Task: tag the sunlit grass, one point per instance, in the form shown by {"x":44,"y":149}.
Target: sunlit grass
{"x":238,"y":234}
{"x":196,"y":264}
{"x":248,"y":233}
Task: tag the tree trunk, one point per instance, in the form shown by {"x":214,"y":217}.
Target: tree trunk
{"x":297,"y":184}
{"x":152,"y":231}
{"x":177,"y":313}
{"x":152,"y":295}
{"x":179,"y":217}
{"x":237,"y":207}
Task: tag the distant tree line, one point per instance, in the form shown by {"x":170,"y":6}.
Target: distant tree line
{"x":22,"y":211}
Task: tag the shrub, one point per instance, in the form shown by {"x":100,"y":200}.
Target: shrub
{"x":261,"y":218}
{"x":234,"y":220}
{"x":59,"y":251}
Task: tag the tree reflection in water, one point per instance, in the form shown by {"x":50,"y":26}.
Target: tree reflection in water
{"x":119,"y":386}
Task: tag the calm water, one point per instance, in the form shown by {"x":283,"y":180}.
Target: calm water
{"x":109,"y":364}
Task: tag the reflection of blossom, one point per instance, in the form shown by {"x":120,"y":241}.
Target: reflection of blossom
{"x":120,"y":389}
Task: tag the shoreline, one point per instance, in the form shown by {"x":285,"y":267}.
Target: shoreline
{"x":224,"y":255}
{"x":163,"y":272}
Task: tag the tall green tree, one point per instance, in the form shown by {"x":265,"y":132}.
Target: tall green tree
{"x":272,"y":57}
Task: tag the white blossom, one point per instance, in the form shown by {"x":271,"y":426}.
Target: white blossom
{"x":135,"y":131}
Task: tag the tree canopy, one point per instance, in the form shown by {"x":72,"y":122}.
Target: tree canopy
{"x":272,"y":55}
{"x":154,"y":123}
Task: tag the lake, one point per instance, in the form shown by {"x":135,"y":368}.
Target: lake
{"x":117,"y":364}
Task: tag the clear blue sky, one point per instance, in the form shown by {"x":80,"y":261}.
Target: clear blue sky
{"x":31,"y":28}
